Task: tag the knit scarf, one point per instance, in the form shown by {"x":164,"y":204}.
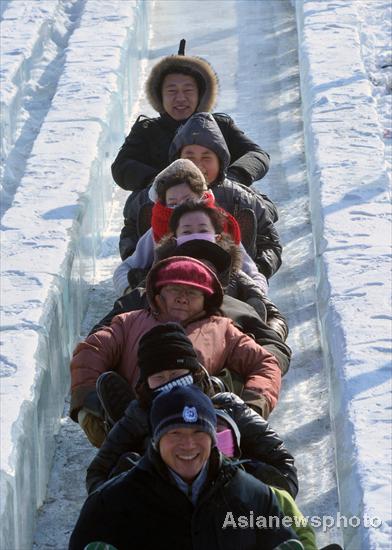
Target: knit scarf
{"x":161,"y":215}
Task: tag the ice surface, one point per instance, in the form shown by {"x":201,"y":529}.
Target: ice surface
{"x":71,"y":80}
{"x":53,"y":228}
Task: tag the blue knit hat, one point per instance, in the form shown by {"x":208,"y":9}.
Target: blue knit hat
{"x":182,"y":407}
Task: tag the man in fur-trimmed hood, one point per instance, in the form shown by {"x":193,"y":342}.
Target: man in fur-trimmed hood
{"x":197,"y":68}
{"x":178,"y":86}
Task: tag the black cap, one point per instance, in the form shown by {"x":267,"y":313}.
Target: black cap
{"x":205,"y":250}
{"x":165,"y":347}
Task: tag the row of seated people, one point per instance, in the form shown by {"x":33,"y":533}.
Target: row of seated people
{"x":193,"y":337}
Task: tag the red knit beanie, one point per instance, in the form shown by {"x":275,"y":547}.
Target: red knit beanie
{"x":186,"y":272}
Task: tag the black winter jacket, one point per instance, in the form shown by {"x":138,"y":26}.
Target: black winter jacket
{"x":145,"y":152}
{"x":144,"y":508}
{"x":262,"y":244}
{"x":243,"y":315}
{"x":269,"y":460}
{"x":242,"y":287}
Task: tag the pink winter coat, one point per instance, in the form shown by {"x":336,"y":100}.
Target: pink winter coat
{"x":218,"y":343}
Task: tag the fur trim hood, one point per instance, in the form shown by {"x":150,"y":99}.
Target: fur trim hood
{"x":201,"y":129}
{"x":199,"y":68}
{"x":179,"y":171}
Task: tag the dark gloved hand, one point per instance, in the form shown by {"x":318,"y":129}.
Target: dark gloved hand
{"x":92,"y":405}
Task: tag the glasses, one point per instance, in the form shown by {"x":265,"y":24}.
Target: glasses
{"x":190,"y":293}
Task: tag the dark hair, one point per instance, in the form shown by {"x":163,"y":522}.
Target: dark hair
{"x":187,"y":71}
{"x":200,"y":376}
{"x":216,"y":217}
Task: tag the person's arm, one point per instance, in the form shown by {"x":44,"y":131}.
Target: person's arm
{"x":249,"y":267}
{"x":268,"y":251}
{"x":247,"y":289}
{"x":278,"y":532}
{"x":300,"y":525}
{"x":248,"y":321}
{"x":132,"y":168}
{"x":249,"y":162}
{"x":142,"y":258}
{"x":99,"y":353}
{"x":136,"y":221}
{"x":268,"y":247}
{"x":271,"y":461}
{"x":128,"y":434}
{"x":242,"y":287}
{"x":275,"y":319}
{"x":258,"y":368}
{"x":128,"y":239}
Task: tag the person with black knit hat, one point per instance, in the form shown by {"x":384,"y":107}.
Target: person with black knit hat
{"x":186,"y":291}
{"x":177,"y":365}
{"x":178,"y":86}
{"x":182,"y":492}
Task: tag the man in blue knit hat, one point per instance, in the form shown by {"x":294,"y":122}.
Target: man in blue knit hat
{"x":184,"y":432}
{"x":182,"y":493}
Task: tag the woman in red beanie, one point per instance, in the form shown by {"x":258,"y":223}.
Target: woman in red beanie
{"x":184,"y":290}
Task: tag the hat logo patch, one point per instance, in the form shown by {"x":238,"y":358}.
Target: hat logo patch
{"x":189,"y":414}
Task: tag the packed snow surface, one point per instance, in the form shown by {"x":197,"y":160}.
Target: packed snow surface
{"x":310,"y":81}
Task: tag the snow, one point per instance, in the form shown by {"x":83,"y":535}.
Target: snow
{"x":350,"y":202}
{"x":70,"y":87}
{"x":52,"y":230}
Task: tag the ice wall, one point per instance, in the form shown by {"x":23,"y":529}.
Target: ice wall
{"x":349,"y":191}
{"x":48,"y":254}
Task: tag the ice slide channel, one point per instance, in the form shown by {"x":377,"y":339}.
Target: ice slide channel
{"x":254,"y":49}
{"x":260,"y":84}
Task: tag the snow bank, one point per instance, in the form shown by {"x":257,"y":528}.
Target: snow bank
{"x":350,"y":215}
{"x":49,"y":253}
{"x":33,"y":23}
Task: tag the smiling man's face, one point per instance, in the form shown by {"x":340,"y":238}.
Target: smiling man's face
{"x":185,"y":450}
{"x":180,"y":96}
